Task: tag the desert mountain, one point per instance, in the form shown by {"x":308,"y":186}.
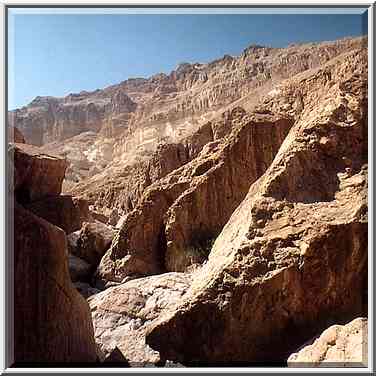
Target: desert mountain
{"x":215,"y":215}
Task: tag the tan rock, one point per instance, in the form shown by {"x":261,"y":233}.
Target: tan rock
{"x":126,"y":122}
{"x":338,"y":346}
{"x":122,"y":314}
{"x":293,"y":255}
{"x":160,"y":233}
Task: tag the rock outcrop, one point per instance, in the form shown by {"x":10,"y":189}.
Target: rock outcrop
{"x":242,"y":183}
{"x":126,"y":122}
{"x":79,"y":269}
{"x":52,"y":322}
{"x":64,"y":211}
{"x":14,"y":135}
{"x":338,"y":346}
{"x":92,"y":241}
{"x":292,"y":259}
{"x":180,"y":215}
{"x":35,"y":175}
{"x":122,"y":314}
{"x":121,"y":187}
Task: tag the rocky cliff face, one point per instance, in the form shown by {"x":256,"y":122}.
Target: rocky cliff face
{"x":181,"y":214}
{"x":127,"y":121}
{"x":293,"y":256}
{"x":242,"y":183}
{"x":48,"y":119}
{"x":52,"y":320}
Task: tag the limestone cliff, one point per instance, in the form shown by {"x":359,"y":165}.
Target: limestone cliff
{"x":125,"y":122}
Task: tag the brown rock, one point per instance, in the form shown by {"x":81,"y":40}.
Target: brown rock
{"x":100,"y":217}
{"x":51,"y":320}
{"x":124,"y":123}
{"x":338,"y":346}
{"x":93,"y":241}
{"x":122,"y":314}
{"x":79,"y":270}
{"x":160,"y":233}
{"x":66,"y":212}
{"x":14,"y":135}
{"x":293,"y":256}
{"x":36,"y":175}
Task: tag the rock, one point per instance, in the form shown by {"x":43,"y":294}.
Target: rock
{"x":36,"y":175}
{"x":85,"y":289}
{"x":160,"y":233}
{"x":66,"y":212}
{"x":125,"y":123}
{"x":48,"y":119}
{"x":14,"y":135}
{"x":100,"y":217}
{"x":52,"y":321}
{"x":79,"y":270}
{"x":72,"y":239}
{"x":116,"y":356}
{"x":122,"y":314}
{"x":114,"y":217}
{"x":269,"y":286}
{"x":170,"y":364}
{"x":338,"y":346}
{"x":93,"y":241}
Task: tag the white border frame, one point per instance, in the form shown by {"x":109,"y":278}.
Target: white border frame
{"x":143,"y":3}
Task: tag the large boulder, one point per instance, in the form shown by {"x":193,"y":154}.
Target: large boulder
{"x":122,"y":314}
{"x":52,"y":321}
{"x":64,"y":211}
{"x":79,"y":270}
{"x":35,"y":175}
{"x":338,"y":346}
{"x":292,"y":259}
{"x":92,"y":241}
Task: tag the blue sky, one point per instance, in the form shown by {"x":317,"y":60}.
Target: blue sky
{"x":52,"y":54}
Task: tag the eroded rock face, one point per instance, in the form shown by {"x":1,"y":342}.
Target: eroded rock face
{"x":292,"y":259}
{"x":64,"y":211}
{"x":35,"y":175}
{"x":91,"y":242}
{"x":128,"y":120}
{"x":122,"y":314}
{"x":338,"y":346}
{"x":14,"y":135}
{"x":180,"y":215}
{"x":48,"y":119}
{"x":51,"y":320}
{"x":121,"y":187}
